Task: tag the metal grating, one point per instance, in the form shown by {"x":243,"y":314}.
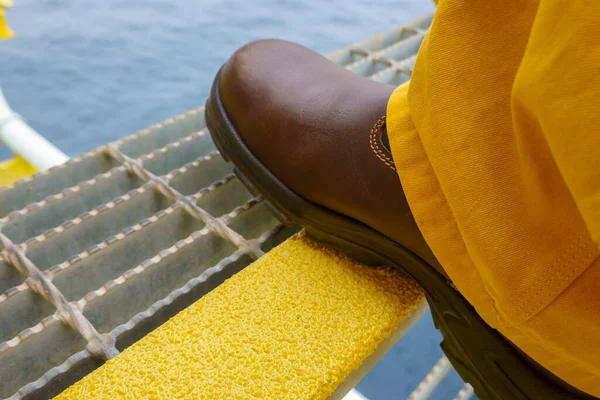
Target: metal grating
{"x":72,"y":291}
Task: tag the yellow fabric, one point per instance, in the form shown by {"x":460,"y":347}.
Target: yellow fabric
{"x":497,"y":143}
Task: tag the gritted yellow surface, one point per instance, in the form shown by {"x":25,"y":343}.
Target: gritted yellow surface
{"x":292,"y":325}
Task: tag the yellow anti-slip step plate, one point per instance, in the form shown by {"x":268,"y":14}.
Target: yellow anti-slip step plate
{"x":293,"y":325}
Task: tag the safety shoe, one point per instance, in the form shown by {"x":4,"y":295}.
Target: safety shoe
{"x":310,"y":137}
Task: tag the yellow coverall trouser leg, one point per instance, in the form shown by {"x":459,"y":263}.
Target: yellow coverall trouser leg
{"x":496,"y":139}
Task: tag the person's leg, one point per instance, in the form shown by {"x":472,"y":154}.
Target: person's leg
{"x":489,"y":189}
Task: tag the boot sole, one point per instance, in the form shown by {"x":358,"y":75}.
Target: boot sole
{"x":481,"y":356}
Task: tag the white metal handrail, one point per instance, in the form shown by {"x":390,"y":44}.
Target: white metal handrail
{"x":21,"y":139}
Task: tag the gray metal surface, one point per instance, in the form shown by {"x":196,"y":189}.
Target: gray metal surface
{"x":97,"y":252}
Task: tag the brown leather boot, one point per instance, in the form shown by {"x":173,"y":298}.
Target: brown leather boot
{"x":310,"y":136}
{"x":315,"y":127}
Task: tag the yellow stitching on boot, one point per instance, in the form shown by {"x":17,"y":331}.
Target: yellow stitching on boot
{"x":379,"y":125}
{"x":375,"y":146}
{"x":380,"y":154}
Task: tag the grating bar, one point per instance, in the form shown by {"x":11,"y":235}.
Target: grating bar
{"x":262,"y":239}
{"x":188,"y":204}
{"x":398,"y":73}
{"x":82,"y":217}
{"x":465,"y":393}
{"x":52,"y":271}
{"x":80,"y":186}
{"x":385,"y":40}
{"x":158,"y":128}
{"x":58,"y":196}
{"x":107,"y":287}
{"x":431,"y":380}
{"x":69,"y":313}
{"x":39,"y":174}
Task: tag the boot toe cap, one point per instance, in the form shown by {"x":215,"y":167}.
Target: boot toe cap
{"x":262,"y":88}
{"x":258,"y":75}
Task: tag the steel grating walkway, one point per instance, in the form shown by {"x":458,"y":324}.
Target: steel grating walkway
{"x":66,"y":237}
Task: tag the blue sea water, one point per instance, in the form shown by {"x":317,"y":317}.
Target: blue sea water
{"x":84,"y":73}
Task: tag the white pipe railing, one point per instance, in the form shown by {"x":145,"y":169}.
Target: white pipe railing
{"x":25,"y":142}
